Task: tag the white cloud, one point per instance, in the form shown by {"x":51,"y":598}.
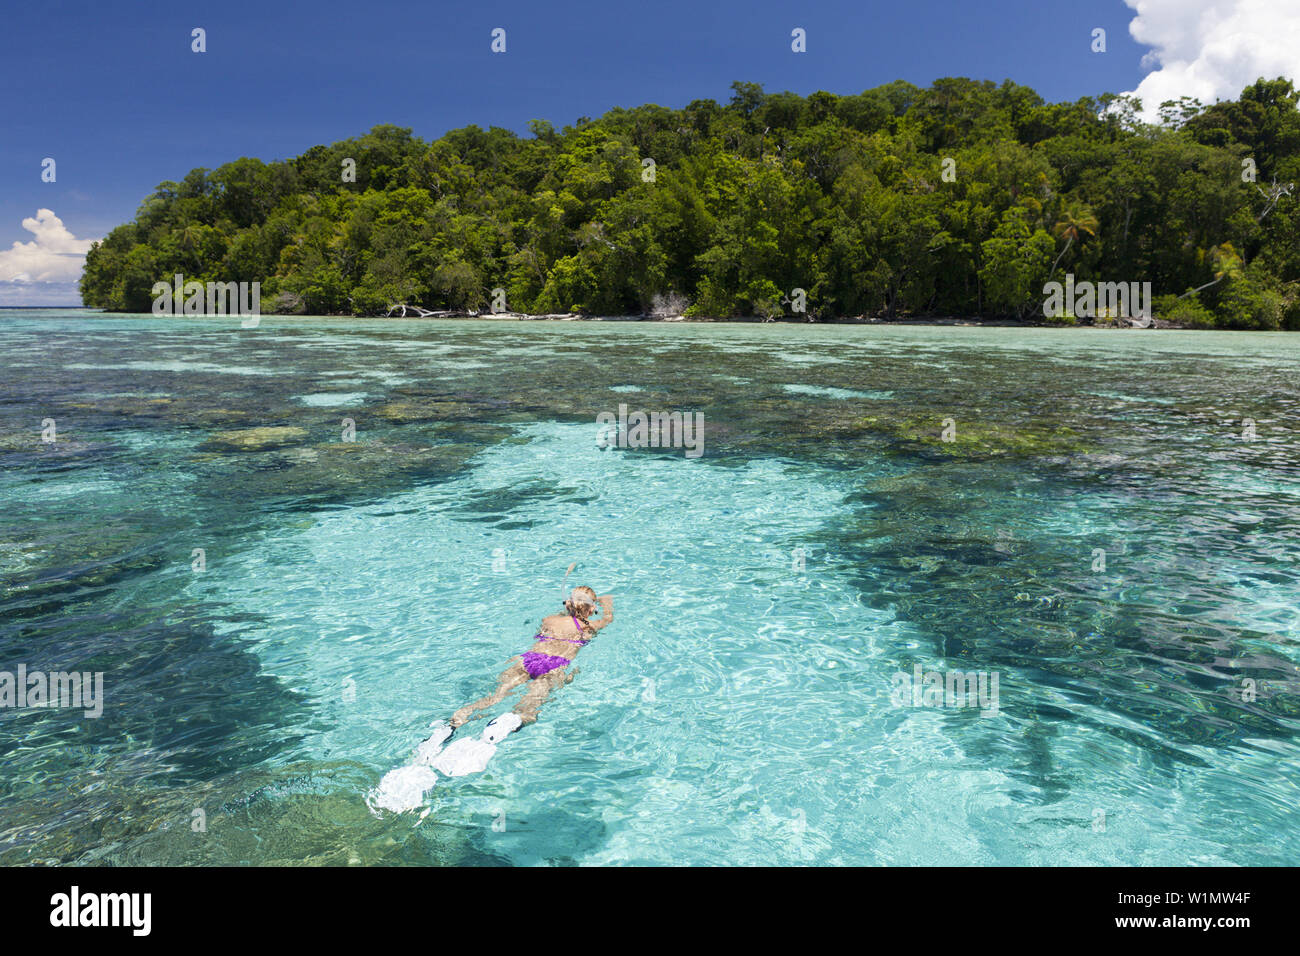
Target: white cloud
{"x":55,"y":255}
{"x":1212,"y":49}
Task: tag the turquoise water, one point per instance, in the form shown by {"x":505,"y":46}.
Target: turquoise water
{"x":739,"y":710}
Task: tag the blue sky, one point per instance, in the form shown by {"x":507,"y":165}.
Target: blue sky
{"x":114,"y":94}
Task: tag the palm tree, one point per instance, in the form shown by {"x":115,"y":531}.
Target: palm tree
{"x":1226,"y":264}
{"x":189,"y":240}
{"x":1075,"y":222}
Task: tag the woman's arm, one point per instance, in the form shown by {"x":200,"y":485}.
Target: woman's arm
{"x":606,"y":611}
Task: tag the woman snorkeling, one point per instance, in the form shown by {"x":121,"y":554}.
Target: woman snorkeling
{"x":546,"y":666}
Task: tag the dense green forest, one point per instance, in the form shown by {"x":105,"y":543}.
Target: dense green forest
{"x":959,"y":199}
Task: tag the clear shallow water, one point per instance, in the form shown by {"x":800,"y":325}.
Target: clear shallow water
{"x":739,"y":709}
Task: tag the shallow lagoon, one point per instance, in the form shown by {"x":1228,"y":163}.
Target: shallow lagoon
{"x":739,"y":710}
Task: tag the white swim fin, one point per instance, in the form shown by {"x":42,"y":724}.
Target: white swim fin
{"x":464,"y":756}
{"x":430,"y":748}
{"x":402,"y":789}
{"x":499,"y":728}
{"x":467,"y":756}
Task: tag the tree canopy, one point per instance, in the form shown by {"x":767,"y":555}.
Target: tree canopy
{"x":959,"y":199}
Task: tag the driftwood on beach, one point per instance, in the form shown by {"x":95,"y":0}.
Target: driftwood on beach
{"x":422,"y":313}
{"x":406,"y":310}
{"x":402,"y":308}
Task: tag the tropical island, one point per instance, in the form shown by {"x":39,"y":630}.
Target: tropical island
{"x":962,"y":199}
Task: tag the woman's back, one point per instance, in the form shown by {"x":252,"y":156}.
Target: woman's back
{"x":561,"y":625}
{"x":562,"y":635}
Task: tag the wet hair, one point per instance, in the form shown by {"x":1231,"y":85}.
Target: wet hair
{"x":581,"y":602}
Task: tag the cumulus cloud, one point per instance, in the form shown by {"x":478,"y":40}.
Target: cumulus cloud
{"x":55,"y":255}
{"x":1212,"y":49}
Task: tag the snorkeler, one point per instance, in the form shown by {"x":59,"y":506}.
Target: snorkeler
{"x":558,"y":641}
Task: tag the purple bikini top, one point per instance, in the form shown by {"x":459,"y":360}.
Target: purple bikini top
{"x":567,"y":640}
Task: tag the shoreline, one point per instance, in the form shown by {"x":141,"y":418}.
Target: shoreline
{"x":701,"y":320}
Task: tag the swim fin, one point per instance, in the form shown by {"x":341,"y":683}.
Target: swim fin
{"x":499,"y":728}
{"x":402,"y":789}
{"x":430,"y":748}
{"x":467,"y":756}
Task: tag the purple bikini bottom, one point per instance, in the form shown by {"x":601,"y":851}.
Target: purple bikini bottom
{"x":538,"y":664}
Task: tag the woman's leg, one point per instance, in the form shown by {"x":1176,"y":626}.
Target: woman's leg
{"x":508,"y":680}
{"x":536,"y":696}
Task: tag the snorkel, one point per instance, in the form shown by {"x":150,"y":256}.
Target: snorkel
{"x":566,"y":580}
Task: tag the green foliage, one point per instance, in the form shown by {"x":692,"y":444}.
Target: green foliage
{"x":961,"y":198}
{"x":1182,"y":311}
{"x":1291,"y":307}
{"x":1248,"y":302}
{"x":1015,"y":260}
